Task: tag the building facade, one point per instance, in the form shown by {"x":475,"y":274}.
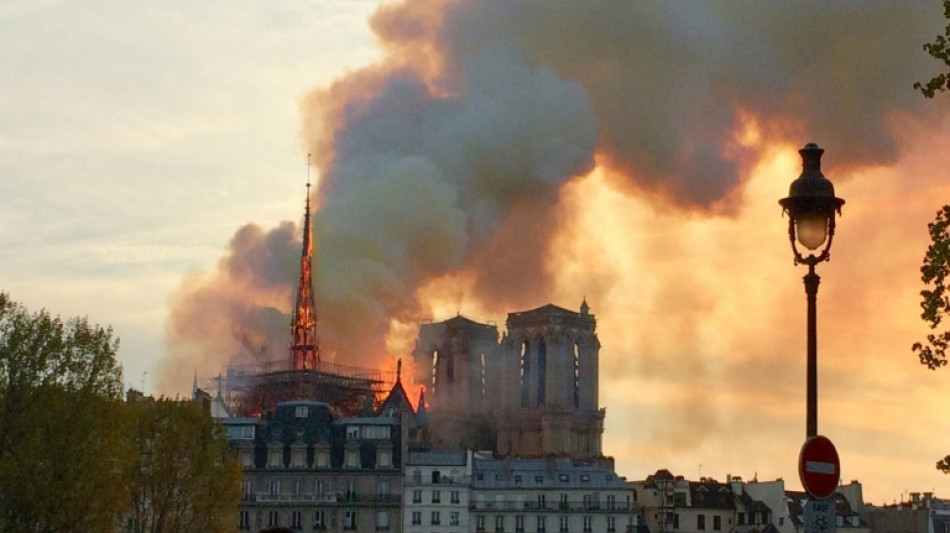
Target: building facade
{"x":437,"y":492}
{"x":549,"y":496}
{"x":307,"y":470}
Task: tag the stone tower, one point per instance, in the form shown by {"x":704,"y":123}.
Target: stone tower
{"x":549,"y":380}
{"x":457,"y":361}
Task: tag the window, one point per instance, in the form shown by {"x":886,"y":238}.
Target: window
{"x":611,"y":524}
{"x":480,"y":523}
{"x":436,"y":476}
{"x":349,"y":520}
{"x":247,"y":490}
{"x":295,"y":520}
{"x":701,"y":522}
{"x":538,"y":480}
{"x":540,"y":526}
{"x":588,"y":524}
{"x":353,"y":432}
{"x":562,"y":504}
{"x":611,"y":501}
{"x":302,"y":411}
{"x":676,"y":521}
{"x":417,"y":518}
{"x":562,"y":523}
{"x":436,"y":518}
{"x":297,"y":487}
{"x":455,"y":496}
{"x":275,"y":458}
{"x":352,"y":459}
{"x":717,"y":523}
{"x":480,"y":476}
{"x":499,"y":524}
{"x":384,"y":459}
{"x":436,"y":496}
{"x":319,"y":521}
{"x":244,"y":518}
{"x":588,"y":501}
{"x":454,"y":518}
{"x":781,"y":520}
{"x":519,"y":524}
{"x":499,"y":477}
{"x":274,"y":487}
{"x":319,"y":487}
{"x":542,"y":501}
{"x":322,"y":458}
{"x":273,"y":519}
{"x":417,"y":496}
{"x":382,"y":520}
{"x":740,"y":519}
{"x":417,"y":476}
{"x":382,"y":489}
{"x":517,"y":480}
{"x":585,"y":478}
{"x":563,"y":478}
{"x":350,"y":491}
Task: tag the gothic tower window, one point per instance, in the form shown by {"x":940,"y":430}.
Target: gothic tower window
{"x":481,"y":361}
{"x":577,"y":375}
{"x":542,"y":370}
{"x":525,"y":374}
{"x":435,"y":368}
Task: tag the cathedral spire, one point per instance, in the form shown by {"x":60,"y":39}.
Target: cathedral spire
{"x":305,"y":350}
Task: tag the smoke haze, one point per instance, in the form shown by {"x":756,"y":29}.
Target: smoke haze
{"x":508,"y":154}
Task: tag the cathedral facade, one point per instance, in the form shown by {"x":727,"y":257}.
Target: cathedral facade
{"x":530,"y":393}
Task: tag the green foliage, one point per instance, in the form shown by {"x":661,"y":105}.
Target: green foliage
{"x":74,"y":457}
{"x":943,"y":465}
{"x":186,"y":479}
{"x":936,"y":301}
{"x":61,"y":424}
{"x":938,"y":49}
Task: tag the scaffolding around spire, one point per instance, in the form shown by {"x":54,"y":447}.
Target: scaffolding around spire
{"x":305,"y":347}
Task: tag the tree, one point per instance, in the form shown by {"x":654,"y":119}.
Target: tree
{"x":938,"y":49}
{"x":936,"y":300}
{"x":186,"y":479}
{"x":61,"y":424}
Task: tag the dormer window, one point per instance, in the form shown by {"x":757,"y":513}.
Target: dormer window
{"x":298,"y":457}
{"x":302,"y":411}
{"x":351,"y":457}
{"x":275,"y":456}
{"x":384,"y":458}
{"x":352,"y":432}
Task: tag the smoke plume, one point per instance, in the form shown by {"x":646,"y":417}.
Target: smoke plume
{"x":449,"y":160}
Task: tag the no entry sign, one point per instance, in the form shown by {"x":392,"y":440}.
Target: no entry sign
{"x":819,"y":467}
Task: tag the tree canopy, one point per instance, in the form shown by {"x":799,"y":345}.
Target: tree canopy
{"x":75,"y":457}
{"x":939,"y":49}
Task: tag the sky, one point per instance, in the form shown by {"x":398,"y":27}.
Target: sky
{"x":483,"y":158}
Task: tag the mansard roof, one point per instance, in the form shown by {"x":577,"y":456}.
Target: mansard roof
{"x":710,"y":494}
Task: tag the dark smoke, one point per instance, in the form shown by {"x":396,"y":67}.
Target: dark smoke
{"x":449,"y":156}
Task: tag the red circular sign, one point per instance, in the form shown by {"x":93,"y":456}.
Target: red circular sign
{"x":819,"y":467}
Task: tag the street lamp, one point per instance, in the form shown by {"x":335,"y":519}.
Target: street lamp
{"x":811,"y":206}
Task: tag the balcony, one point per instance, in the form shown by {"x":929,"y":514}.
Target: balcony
{"x":329,"y":498}
{"x":520,"y":506}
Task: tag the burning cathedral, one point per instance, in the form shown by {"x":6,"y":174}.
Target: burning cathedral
{"x":530,"y":391}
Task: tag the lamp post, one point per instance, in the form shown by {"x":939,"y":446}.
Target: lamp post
{"x":811,"y":207}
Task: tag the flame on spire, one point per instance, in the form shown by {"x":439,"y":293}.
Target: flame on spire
{"x":305,"y":350}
